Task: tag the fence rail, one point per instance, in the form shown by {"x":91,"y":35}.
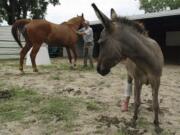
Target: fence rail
{"x":9,"y":49}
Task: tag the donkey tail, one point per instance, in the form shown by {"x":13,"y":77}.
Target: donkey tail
{"x":17,"y":29}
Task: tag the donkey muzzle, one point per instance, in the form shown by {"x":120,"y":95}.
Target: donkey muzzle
{"x":102,"y":71}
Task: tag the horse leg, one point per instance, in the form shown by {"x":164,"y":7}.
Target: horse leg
{"x":155,"y":89}
{"x":69,"y":55}
{"x":23,"y":53}
{"x":137,"y":100}
{"x":75,"y":55}
{"x":33,"y":54}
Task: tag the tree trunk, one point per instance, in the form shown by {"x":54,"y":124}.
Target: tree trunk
{"x":11,"y":11}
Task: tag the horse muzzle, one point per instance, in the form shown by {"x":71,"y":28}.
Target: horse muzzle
{"x":103,"y":71}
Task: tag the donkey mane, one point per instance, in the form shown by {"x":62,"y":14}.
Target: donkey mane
{"x":135,"y":25}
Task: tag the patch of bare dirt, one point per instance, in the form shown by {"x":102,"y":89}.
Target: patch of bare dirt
{"x":106,"y":92}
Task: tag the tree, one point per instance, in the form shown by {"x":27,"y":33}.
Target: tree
{"x":159,"y":5}
{"x":11,"y":10}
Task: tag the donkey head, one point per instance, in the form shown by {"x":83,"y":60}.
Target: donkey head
{"x":110,"y":47}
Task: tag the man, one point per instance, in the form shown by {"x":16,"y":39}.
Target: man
{"x":87,"y":34}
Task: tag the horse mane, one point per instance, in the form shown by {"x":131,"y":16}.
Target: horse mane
{"x":73,"y":20}
{"x":139,"y":27}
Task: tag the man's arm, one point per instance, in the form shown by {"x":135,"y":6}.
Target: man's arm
{"x":80,"y":33}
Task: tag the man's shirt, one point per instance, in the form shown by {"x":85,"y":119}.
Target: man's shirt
{"x":88,"y":36}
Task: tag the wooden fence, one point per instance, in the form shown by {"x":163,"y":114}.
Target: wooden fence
{"x":9,"y":49}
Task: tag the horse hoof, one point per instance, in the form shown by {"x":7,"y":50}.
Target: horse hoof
{"x":75,"y":67}
{"x":35,"y":70}
{"x":21,"y":69}
{"x":22,"y":72}
{"x":71,"y":67}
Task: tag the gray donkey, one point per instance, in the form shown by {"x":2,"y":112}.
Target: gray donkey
{"x":122,"y":39}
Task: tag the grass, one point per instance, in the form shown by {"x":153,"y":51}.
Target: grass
{"x":93,"y":106}
{"x":17,"y":106}
{"x":58,"y":108}
{"x":55,"y":77}
{"x":9,"y":62}
{"x":66,"y":67}
{"x":121,"y":132}
{"x":143,"y":123}
{"x":23,"y":101}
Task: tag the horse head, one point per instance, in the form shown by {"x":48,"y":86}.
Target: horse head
{"x":77,"y":22}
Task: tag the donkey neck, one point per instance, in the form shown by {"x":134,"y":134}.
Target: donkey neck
{"x":140,"y":51}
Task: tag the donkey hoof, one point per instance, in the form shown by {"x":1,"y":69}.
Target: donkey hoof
{"x":156,"y":123}
{"x":158,"y":129}
{"x":133,"y":123}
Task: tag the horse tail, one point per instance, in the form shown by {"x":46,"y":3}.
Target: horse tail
{"x":17,"y":29}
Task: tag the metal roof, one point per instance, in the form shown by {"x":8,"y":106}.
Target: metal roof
{"x":149,"y":15}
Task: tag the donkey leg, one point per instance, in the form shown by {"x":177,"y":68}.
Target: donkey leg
{"x":33,"y":54}
{"x":127,"y":94}
{"x":137,"y":100}
{"x":155,"y":90}
{"x":23,"y":53}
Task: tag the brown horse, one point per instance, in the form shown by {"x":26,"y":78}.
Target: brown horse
{"x":123,"y":39}
{"x":39,"y":31}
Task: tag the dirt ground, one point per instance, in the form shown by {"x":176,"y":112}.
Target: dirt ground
{"x":102,"y":115}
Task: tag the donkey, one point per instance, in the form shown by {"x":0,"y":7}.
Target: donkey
{"x":123,"y":39}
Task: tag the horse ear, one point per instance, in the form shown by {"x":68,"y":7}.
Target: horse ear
{"x":114,"y":16}
{"x":82,"y":15}
{"x":102,"y":17}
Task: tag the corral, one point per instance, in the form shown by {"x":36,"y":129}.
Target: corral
{"x":60,"y":101}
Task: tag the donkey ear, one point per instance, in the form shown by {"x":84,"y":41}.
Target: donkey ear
{"x":114,"y":16}
{"x":82,"y":15}
{"x":102,"y":17}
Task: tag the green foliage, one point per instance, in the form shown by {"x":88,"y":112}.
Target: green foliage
{"x":10,"y":10}
{"x":159,"y":5}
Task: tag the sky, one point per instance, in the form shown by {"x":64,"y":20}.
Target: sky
{"x":72,"y":8}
